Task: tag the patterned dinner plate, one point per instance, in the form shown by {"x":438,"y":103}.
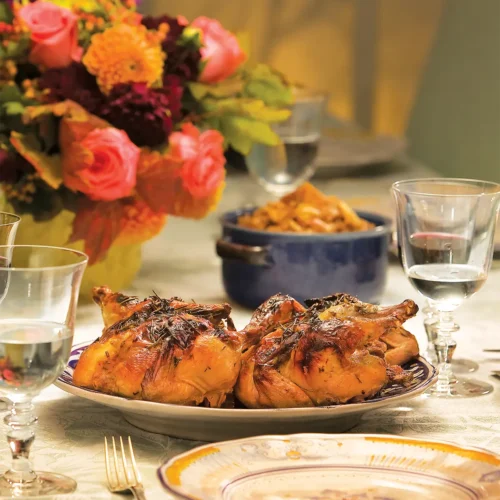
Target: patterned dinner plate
{"x":333,"y":467}
{"x":215,"y":424}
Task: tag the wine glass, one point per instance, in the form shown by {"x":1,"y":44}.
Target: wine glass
{"x":8,"y":228}
{"x":460,"y":366}
{"x":281,"y":169}
{"x":430,"y":318}
{"x":446,"y":232}
{"x":37,"y":317}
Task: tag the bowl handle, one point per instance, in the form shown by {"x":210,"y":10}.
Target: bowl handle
{"x":254,"y":255}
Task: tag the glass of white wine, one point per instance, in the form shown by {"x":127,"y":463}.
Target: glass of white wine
{"x":281,"y":169}
{"x":37,"y":316}
{"x":446,"y":232}
{"x":8,"y":228}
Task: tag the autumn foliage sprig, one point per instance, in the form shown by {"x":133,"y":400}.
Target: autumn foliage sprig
{"x":124,"y":119}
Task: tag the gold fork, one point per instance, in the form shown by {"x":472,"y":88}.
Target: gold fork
{"x":124,"y":478}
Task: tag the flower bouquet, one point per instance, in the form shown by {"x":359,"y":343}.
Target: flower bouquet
{"x":113,"y":121}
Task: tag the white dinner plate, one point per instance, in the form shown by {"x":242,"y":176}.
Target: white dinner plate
{"x":214,"y":424}
{"x":333,"y":467}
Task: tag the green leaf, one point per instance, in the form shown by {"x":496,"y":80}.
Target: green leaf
{"x":49,"y":167}
{"x":6,"y":14}
{"x":242,"y":132}
{"x":13,"y":108}
{"x":10,"y":92}
{"x":249,"y":108}
{"x":226,"y":88}
{"x":18,"y":48}
{"x":269,"y":86}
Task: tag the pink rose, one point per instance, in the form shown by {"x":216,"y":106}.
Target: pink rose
{"x":203,"y":159}
{"x":54,"y":33}
{"x":220,"y":51}
{"x":103,"y":165}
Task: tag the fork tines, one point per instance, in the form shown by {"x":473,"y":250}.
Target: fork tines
{"x":122,"y":477}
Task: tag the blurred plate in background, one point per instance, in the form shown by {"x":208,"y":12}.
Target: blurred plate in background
{"x":348,"y":148}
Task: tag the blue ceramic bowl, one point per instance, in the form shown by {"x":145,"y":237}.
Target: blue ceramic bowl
{"x":258,"y":264}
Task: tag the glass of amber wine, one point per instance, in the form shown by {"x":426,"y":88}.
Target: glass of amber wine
{"x":446,"y":232}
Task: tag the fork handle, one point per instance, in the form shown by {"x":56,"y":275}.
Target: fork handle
{"x":138,"y":492}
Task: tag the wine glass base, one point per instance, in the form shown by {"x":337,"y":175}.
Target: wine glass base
{"x":46,"y":484}
{"x":461,"y":366}
{"x":463,"y":388}
{"x":464,"y":366}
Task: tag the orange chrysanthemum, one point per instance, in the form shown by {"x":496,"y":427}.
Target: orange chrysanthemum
{"x":124,"y":54}
{"x":139,"y":223}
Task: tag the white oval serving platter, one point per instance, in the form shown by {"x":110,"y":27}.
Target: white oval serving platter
{"x":216,"y":424}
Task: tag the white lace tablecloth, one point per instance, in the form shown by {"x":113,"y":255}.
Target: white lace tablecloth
{"x":182,"y":262}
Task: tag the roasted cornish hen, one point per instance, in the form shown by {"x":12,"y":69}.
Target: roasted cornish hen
{"x":400,"y":346}
{"x":336,"y":350}
{"x":162,"y":350}
{"x":333,"y":352}
{"x":117,"y":306}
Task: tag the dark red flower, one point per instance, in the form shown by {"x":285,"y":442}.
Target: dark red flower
{"x":175,"y":27}
{"x":75,"y":83}
{"x":12,"y":167}
{"x":146,"y":114}
{"x":181,"y":61}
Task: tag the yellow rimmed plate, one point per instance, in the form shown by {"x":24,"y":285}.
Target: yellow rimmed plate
{"x":333,"y":467}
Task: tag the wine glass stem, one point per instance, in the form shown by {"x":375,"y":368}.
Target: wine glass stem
{"x":21,"y":423}
{"x":445,"y":347}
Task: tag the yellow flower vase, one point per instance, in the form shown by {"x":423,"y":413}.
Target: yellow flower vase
{"x":117,"y":270}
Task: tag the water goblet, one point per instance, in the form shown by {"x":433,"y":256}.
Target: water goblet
{"x":37,"y":317}
{"x":429,"y":325}
{"x":430,"y":319}
{"x":446,"y":233}
{"x":281,"y":169}
{"x":461,"y":365}
{"x":8,"y":227}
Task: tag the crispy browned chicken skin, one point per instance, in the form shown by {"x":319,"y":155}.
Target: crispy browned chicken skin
{"x":400,"y":346}
{"x":117,"y":306}
{"x":336,"y":350}
{"x":162,"y":350}
{"x":333,"y":352}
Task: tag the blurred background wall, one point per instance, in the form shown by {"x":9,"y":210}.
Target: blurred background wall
{"x":335,"y":45}
{"x":455,"y":122}
{"x":428,"y":69}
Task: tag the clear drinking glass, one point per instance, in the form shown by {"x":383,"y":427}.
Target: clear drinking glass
{"x":281,"y":169}
{"x":461,"y":365}
{"x":37,"y":317}
{"x":446,"y":232}
{"x":430,"y":319}
{"x":8,"y":228}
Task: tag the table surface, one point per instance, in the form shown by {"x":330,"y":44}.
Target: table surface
{"x":182,"y":262}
